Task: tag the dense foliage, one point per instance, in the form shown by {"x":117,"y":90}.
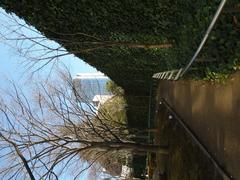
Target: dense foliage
{"x":114,"y":108}
{"x":114,"y":89}
{"x":182,"y":23}
{"x":220,"y":55}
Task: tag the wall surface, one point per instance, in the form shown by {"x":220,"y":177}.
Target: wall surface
{"x":212,"y":111}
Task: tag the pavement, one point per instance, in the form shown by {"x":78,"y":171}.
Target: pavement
{"x":212,"y":111}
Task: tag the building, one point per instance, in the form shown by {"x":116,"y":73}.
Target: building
{"x":89,"y":85}
{"x":126,"y":172}
{"x":99,"y":100}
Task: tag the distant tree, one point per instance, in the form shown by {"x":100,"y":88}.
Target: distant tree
{"x":114,"y":88}
{"x":52,"y":133}
{"x":110,"y":164}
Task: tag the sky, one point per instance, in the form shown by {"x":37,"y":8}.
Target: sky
{"x":13,"y":65}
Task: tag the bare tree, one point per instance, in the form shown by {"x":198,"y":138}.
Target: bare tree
{"x":53,"y":132}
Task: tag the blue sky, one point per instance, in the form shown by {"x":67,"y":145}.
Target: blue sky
{"x":12,"y":63}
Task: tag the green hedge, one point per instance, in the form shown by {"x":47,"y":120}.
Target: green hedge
{"x":182,"y":23}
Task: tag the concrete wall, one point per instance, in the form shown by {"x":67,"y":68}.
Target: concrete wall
{"x":212,"y":111}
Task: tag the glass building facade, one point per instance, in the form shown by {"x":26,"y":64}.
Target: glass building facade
{"x":90,"y":84}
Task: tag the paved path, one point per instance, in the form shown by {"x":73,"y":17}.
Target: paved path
{"x":212,"y":111}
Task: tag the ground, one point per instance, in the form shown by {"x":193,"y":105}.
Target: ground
{"x":185,"y":160}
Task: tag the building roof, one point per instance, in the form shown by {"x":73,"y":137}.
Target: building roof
{"x":101,"y":98}
{"x":97,"y":75}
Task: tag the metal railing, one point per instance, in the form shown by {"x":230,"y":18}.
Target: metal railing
{"x":168,"y":75}
{"x":176,"y":75}
{"x":162,"y":75}
{"x":213,"y":22}
{"x":173,"y":114}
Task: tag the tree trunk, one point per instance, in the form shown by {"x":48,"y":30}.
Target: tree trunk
{"x":146,"y":148}
{"x":150,"y":130}
{"x":149,"y":46}
{"x":107,"y":44}
{"x":136,"y":147}
{"x":140,"y":45}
